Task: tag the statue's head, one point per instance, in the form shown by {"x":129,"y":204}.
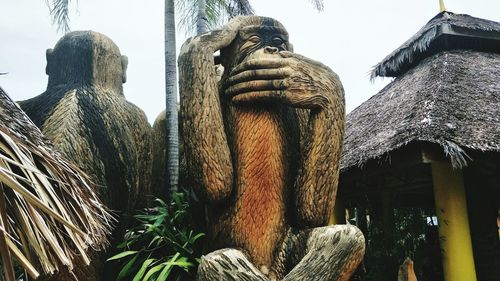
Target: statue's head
{"x":257,"y":35}
{"x":87,"y":58}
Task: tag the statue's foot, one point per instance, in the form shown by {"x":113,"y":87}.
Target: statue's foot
{"x":228,"y":264}
{"x":332,"y":254}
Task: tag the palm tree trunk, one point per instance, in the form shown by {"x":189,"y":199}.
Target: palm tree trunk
{"x":172,"y":153}
{"x":202,"y":20}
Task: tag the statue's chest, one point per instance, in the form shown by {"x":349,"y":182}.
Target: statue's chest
{"x":261,"y":171}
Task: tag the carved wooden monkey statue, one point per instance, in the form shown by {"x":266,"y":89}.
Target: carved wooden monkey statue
{"x":85,"y":114}
{"x":263,"y":148}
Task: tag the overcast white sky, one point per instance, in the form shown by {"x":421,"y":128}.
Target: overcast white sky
{"x":348,"y":36}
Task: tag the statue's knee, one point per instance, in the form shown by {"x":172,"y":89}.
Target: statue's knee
{"x":212,"y":260}
{"x":349,"y":236}
{"x":355,"y":238}
{"x":209,"y":264}
{"x":228,"y":264}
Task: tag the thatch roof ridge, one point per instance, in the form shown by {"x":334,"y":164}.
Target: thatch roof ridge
{"x":421,"y":41}
{"x":451,"y":98}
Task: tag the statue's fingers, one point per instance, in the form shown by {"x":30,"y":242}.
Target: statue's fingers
{"x":305,"y":100}
{"x":261,"y":63}
{"x":299,"y":57}
{"x":286,"y":54}
{"x":259,"y":74}
{"x":256,"y":85}
{"x":223,"y":36}
{"x":259,"y":96}
{"x":220,"y":38}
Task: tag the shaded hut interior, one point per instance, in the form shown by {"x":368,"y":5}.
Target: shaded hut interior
{"x":436,"y":123}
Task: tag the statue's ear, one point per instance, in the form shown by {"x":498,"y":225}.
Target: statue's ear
{"x":48,"y":56}
{"x":124,"y":60}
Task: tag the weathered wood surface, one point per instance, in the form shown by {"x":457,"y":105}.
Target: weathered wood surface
{"x":86,"y":116}
{"x":159,"y":157}
{"x":406,"y":271}
{"x":262,"y":148}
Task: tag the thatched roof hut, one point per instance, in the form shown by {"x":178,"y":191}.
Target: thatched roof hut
{"x":446,"y":91}
{"x":50,"y":215}
{"x":431,"y":138}
{"x":451,"y":98}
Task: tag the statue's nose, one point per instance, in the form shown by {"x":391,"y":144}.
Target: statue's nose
{"x":271,"y":50}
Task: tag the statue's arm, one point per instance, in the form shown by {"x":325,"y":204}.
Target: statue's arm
{"x":206,"y":146}
{"x":315,"y":87}
{"x":322,"y":130}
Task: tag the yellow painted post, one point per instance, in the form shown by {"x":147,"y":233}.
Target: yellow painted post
{"x":454,"y":232}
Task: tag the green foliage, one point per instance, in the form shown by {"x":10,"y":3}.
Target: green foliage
{"x":410,"y":236}
{"x":59,"y":11}
{"x":163,"y":245}
{"x":217,"y":12}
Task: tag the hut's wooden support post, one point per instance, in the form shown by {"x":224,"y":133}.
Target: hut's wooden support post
{"x":454,"y":232}
{"x":338,"y":215}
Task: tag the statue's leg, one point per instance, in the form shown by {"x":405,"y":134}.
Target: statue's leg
{"x":228,"y":264}
{"x":332,"y":254}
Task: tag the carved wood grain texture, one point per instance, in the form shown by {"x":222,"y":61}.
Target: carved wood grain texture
{"x":266,"y":169}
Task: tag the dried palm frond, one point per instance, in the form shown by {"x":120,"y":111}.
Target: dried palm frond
{"x":49,"y":212}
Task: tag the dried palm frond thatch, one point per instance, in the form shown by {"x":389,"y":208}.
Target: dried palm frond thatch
{"x":445,"y":31}
{"x":49,"y":212}
{"x":446,"y":92}
{"x":451,"y":99}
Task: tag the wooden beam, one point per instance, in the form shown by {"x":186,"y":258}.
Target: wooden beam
{"x":451,"y":209}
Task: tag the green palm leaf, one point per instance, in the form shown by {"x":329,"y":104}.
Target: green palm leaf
{"x":59,"y":10}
